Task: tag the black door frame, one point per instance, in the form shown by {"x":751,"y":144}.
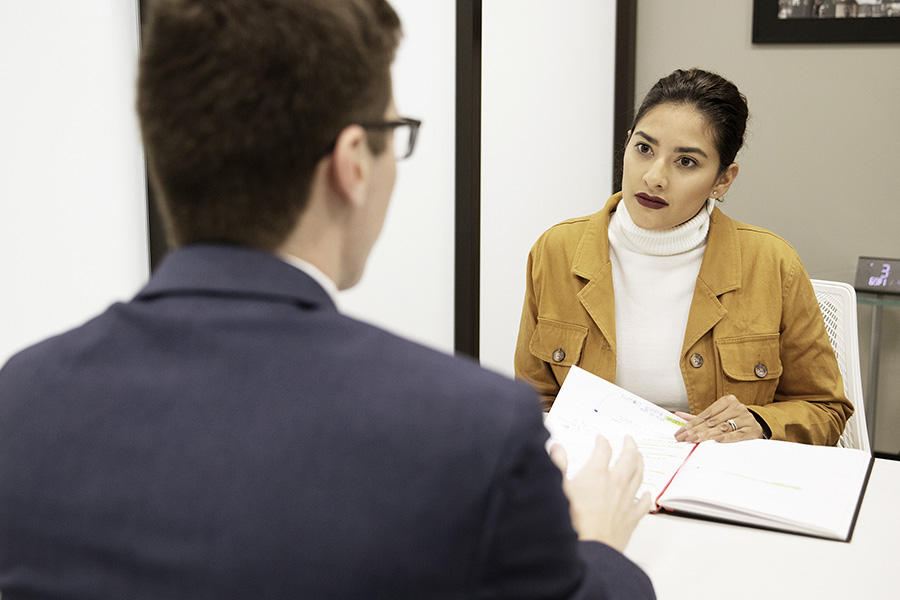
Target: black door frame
{"x":467,"y":274}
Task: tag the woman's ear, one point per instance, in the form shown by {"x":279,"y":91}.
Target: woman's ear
{"x":724,"y":181}
{"x":349,"y":169}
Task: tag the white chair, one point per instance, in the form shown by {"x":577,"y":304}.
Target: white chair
{"x":838,"y":303}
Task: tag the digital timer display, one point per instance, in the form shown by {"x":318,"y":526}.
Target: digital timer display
{"x":878,"y":275}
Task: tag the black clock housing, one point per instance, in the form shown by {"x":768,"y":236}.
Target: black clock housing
{"x":878,"y":275}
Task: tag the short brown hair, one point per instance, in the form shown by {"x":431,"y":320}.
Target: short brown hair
{"x":238,"y":101}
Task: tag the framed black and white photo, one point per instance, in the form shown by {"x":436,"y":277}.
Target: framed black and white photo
{"x":826,"y":21}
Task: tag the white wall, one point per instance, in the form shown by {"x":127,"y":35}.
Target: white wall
{"x":408,"y":282}
{"x":820,"y":166}
{"x":548,"y":72}
{"x":73,"y":231}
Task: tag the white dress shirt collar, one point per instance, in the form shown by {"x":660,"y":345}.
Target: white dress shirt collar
{"x":313,"y":271}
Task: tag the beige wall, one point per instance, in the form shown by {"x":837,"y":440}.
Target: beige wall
{"x":821,"y":165}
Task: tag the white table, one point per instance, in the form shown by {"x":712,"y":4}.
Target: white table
{"x":696,"y":559}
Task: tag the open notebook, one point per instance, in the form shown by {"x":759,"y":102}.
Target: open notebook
{"x":813,"y":490}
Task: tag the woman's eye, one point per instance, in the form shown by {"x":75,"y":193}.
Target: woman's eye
{"x":643,"y":148}
{"x":686,"y":162}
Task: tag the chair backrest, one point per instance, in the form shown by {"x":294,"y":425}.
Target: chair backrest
{"x":838,"y":303}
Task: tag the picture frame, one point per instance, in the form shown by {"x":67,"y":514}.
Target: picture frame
{"x":870,"y":25}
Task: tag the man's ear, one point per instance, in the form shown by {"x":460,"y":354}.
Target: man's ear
{"x":349,"y":170}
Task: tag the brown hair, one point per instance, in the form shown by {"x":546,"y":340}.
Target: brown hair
{"x":238,"y":101}
{"x":716,"y":98}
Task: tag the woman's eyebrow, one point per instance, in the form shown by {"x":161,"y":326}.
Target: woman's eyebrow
{"x":681,"y":149}
{"x":650,"y":139}
{"x":689,"y":150}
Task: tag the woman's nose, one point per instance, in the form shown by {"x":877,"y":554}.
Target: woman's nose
{"x":655,"y":176}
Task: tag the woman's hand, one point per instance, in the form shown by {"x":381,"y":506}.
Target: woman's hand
{"x":726,"y":420}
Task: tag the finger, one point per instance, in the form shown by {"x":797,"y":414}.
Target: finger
{"x":700,"y":421}
{"x":716,"y":413}
{"x":559,"y":458}
{"x":751,"y":431}
{"x":736,"y":413}
{"x":684,"y":417}
{"x":601,"y":455}
{"x":731,"y":436}
{"x":631,"y":465}
{"x":639,"y":508}
{"x":701,"y":435}
{"x":740,"y":422}
{"x":629,"y":448}
{"x":727,"y":426}
{"x":696,"y":431}
{"x":687,"y":433}
{"x":644,"y":504}
{"x":680,"y":433}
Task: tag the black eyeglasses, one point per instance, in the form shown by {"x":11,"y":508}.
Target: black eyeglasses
{"x":405,"y":130}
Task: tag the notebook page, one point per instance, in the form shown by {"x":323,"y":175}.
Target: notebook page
{"x":588,"y":405}
{"x":815,"y":487}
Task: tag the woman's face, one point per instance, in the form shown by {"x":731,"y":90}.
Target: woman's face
{"x":671,"y":167}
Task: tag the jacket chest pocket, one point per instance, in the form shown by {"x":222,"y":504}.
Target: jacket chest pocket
{"x":751,"y":367}
{"x":558,"y":344}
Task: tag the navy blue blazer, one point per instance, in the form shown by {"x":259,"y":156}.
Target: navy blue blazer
{"x":229,"y":434}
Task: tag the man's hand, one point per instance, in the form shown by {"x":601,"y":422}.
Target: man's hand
{"x":602,"y":498}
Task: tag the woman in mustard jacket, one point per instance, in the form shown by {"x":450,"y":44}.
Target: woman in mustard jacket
{"x":667,"y":297}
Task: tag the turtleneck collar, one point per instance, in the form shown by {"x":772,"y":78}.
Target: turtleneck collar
{"x":679,"y":239}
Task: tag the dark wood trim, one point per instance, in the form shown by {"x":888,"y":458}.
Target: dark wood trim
{"x":623,"y":108}
{"x":467,"y":271}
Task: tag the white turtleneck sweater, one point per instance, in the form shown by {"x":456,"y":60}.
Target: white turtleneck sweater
{"x":654,"y":273}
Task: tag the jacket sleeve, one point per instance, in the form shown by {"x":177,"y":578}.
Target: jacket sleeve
{"x":528,"y":367}
{"x":809,"y":404}
{"x":529,"y":549}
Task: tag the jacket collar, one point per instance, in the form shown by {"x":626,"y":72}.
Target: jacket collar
{"x":234,"y":271}
{"x":721,"y":267}
{"x":592,"y":263}
{"x":592,"y":253}
{"x":720,"y":272}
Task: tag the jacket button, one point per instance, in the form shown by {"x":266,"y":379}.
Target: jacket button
{"x":760,"y":370}
{"x":559,"y":355}
{"x":696,"y":361}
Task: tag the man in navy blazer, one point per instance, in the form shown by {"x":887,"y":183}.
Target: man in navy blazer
{"x":229,"y":433}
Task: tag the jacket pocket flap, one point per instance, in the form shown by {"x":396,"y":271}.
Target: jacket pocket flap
{"x":751,"y":358}
{"x":558,"y":343}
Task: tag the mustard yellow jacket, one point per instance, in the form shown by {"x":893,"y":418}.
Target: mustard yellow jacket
{"x":754,"y":330}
